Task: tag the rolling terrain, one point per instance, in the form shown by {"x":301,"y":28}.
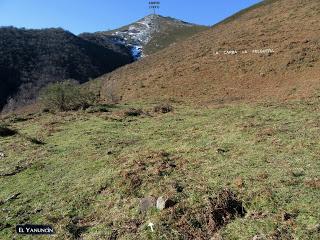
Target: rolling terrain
{"x":281,"y":38}
{"x":212,"y":138}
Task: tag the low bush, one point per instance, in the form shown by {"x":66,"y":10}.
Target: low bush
{"x":66,"y":96}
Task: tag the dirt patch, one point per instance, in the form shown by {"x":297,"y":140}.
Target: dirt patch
{"x":131,"y":180}
{"x":132,"y":225}
{"x":163,"y":108}
{"x":153,"y":167}
{"x":35,"y":141}
{"x":225,"y":207}
{"x":282,"y":233}
{"x":165,"y":166}
{"x":313,"y":183}
{"x":76,"y":230}
{"x":204,"y":222}
{"x":128,"y":226}
{"x":132,"y":112}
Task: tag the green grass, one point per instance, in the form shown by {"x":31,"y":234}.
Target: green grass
{"x":89,"y":163}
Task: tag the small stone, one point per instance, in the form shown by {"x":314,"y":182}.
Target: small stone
{"x":259,"y":237}
{"x":163,"y":203}
{"x":262,"y":74}
{"x":2,"y":155}
{"x":147,"y":203}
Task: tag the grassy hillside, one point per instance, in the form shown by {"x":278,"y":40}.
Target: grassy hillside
{"x":85,"y":173}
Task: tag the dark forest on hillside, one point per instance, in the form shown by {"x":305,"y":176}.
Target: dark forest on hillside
{"x":30,"y":59}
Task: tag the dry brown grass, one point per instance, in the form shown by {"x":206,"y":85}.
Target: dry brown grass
{"x":191,"y":71}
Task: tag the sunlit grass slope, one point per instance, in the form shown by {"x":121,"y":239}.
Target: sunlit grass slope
{"x":88,"y":171}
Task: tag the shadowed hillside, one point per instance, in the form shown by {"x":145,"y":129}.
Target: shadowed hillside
{"x":282,"y":59}
{"x":30,"y":59}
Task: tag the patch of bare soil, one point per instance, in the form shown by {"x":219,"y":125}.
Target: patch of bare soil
{"x":313,"y":183}
{"x":203,"y":223}
{"x":151,"y":167}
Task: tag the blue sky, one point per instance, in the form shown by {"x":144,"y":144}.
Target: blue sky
{"x":93,"y":15}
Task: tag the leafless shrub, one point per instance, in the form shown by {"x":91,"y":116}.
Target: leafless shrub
{"x":66,"y":96}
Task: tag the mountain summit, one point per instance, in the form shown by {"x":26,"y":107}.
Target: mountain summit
{"x":149,"y":34}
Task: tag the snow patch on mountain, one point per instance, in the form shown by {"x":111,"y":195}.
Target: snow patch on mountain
{"x":139,"y":34}
{"x":136,"y":52}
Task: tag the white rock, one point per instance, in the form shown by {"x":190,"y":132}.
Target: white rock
{"x":259,"y":237}
{"x":163,"y":203}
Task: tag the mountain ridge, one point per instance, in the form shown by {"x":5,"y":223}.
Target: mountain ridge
{"x":141,"y":37}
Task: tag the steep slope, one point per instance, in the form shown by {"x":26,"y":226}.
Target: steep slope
{"x":149,"y":34}
{"x":30,"y":59}
{"x":270,"y":51}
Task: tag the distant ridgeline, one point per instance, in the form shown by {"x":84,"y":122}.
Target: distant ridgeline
{"x":31,"y":59}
